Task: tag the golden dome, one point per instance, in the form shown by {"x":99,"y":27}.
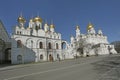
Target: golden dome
{"x":77,"y":27}
{"x":31,"y":20}
{"x":37,"y":19}
{"x":89,"y":26}
{"x":52,"y":26}
{"x":46,"y":24}
{"x":21,"y":19}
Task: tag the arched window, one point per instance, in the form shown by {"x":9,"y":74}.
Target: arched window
{"x":41,"y":56}
{"x":19,"y":44}
{"x":17,"y":32}
{"x":64,"y":45}
{"x":19,"y":58}
{"x":49,"y":46}
{"x":57,"y":46}
{"x":41,"y":45}
{"x":58,"y":56}
{"x":20,"y":32}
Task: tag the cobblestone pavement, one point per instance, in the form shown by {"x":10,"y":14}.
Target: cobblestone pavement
{"x":108,"y":68}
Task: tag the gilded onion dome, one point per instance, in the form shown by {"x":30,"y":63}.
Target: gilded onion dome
{"x":52,"y":26}
{"x":37,"y":19}
{"x":21,"y":19}
{"x":31,"y":20}
{"x":89,"y":26}
{"x":46,"y":24}
{"x":77,"y":27}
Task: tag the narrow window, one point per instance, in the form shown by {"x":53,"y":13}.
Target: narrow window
{"x":19,"y":44}
{"x":41,"y":45}
{"x":57,"y":46}
{"x":49,"y":46}
{"x":41,"y":56}
{"x":17,"y":32}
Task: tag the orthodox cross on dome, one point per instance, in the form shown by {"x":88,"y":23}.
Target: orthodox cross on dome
{"x":21,"y":19}
{"x":31,"y":19}
{"x":46,"y":24}
{"x":90,"y":25}
{"x":77,"y":27}
{"x":52,"y":25}
{"x":37,"y":18}
{"x":90,"y":29}
{"x":46,"y":27}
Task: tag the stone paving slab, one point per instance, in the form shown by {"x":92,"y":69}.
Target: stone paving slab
{"x":109,"y":68}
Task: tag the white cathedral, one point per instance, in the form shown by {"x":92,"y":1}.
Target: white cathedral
{"x":91,"y":43}
{"x":37,"y":42}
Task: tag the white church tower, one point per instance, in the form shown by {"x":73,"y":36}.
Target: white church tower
{"x":77,"y":31}
{"x":46,"y":27}
{"x":31,"y":24}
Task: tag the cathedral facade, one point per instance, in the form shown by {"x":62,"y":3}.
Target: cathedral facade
{"x":36,"y":42}
{"x":91,"y":43}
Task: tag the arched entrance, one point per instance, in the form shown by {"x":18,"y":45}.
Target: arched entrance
{"x":19,"y":59}
{"x":41,"y":57}
{"x":64,"y":45}
{"x":50,"y":57}
{"x":8,"y":55}
{"x":80,"y":51}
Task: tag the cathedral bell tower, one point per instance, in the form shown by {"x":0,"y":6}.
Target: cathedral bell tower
{"x":77,"y":31}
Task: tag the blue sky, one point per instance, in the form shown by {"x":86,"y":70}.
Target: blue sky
{"x":66,"y":14}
